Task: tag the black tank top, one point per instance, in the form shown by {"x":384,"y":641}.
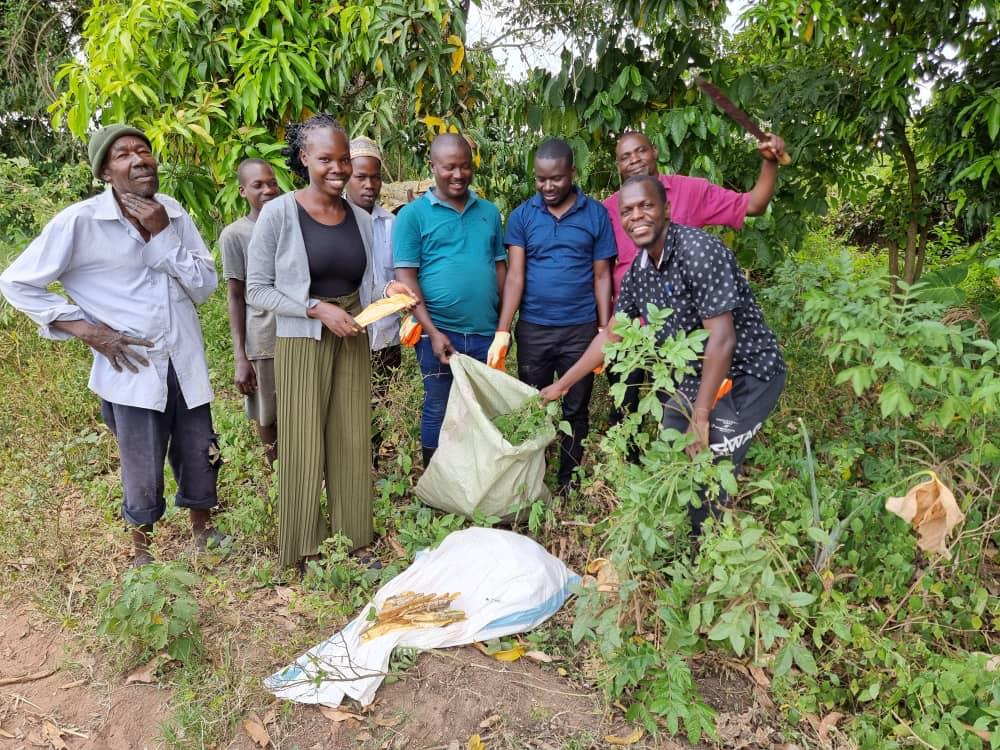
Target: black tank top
{"x":336,"y":254}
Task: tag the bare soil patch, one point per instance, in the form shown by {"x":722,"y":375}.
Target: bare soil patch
{"x":53,"y":695}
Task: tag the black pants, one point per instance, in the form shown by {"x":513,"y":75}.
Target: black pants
{"x":633,"y":382}
{"x":734,"y":421}
{"x":385,"y":363}
{"x":145,"y":436}
{"x":546,"y":352}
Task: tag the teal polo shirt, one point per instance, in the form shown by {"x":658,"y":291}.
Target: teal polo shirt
{"x":455,"y":255}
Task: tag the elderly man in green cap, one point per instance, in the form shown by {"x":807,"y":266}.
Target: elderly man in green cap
{"x":134,"y":267}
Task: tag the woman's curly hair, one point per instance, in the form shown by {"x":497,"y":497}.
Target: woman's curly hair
{"x":296,"y":136}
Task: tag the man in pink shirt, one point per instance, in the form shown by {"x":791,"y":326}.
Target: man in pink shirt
{"x":691,"y":201}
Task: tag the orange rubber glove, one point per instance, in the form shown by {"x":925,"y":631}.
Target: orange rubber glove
{"x":496,"y":357}
{"x":726,"y":387}
{"x":410,"y":331}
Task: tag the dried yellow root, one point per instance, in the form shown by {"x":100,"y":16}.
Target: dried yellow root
{"x":413,"y":610}
{"x":384,"y":307}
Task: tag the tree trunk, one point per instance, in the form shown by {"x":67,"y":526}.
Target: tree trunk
{"x":912,"y":265}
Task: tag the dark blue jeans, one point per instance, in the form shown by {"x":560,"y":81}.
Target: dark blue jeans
{"x":181,"y":435}
{"x":437,"y":379}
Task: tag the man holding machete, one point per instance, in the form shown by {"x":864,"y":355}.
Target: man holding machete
{"x":695,"y":275}
{"x":693,"y":201}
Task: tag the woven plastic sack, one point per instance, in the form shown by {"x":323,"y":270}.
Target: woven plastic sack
{"x":474,"y":468}
{"x":507,"y":583}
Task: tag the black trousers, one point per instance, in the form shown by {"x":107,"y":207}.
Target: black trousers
{"x":545,"y":353}
{"x":181,"y":435}
{"x":734,"y":421}
{"x":385,"y":363}
{"x":633,"y":381}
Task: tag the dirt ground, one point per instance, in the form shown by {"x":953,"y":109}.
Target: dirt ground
{"x":54,"y":695}
{"x":71,"y":706}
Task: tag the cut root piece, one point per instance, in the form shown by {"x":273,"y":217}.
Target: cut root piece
{"x":383,"y":308}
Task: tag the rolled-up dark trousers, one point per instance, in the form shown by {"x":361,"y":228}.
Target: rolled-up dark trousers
{"x":545,"y":353}
{"x":734,"y":421}
{"x":145,"y":436}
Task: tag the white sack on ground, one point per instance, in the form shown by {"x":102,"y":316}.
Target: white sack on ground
{"x":474,"y":468}
{"x":507,"y":583}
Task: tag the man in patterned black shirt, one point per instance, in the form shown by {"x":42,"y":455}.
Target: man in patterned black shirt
{"x":696,"y":276}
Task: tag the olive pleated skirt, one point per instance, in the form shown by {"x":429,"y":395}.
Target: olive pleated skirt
{"x":324,"y":414}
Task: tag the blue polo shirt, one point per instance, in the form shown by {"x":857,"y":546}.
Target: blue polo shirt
{"x":559,"y":257}
{"x":456,"y":256}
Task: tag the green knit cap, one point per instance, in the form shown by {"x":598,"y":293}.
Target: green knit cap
{"x":101,"y":141}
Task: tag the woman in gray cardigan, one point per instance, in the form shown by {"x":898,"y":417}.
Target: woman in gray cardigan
{"x":310,"y":262}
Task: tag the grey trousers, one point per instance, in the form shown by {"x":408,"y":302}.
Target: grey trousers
{"x":145,"y":436}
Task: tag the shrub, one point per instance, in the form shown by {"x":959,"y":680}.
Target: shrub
{"x":155,"y":610}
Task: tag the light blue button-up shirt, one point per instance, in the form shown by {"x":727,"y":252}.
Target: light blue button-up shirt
{"x":143,"y":289}
{"x":384,"y":332}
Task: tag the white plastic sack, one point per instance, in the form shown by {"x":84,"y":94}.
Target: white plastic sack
{"x":507,"y":583}
{"x":474,"y":468}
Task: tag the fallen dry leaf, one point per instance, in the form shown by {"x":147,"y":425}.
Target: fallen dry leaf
{"x":270,"y":716}
{"x":337,"y":714}
{"x":397,"y":548}
{"x":602,"y":574}
{"x":829,"y":722}
{"x":475,"y":743}
{"x":760,"y":677}
{"x":145,"y":674}
{"x":993,"y":664}
{"x":257,"y":731}
{"x":53,"y":736}
{"x":489,"y":721}
{"x":362,"y":737}
{"x":390,"y":723}
{"x":980,"y":733}
{"x":930,"y":508}
{"x":630,"y":739}
{"x":510,"y":654}
{"x":539,"y":656}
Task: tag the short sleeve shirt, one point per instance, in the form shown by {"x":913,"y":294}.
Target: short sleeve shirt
{"x":698,"y":278}
{"x":233,"y":242}
{"x":694,"y":202}
{"x":455,"y":254}
{"x":559,"y":258}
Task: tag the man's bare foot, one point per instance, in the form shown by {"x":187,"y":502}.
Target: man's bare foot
{"x":205,"y":536}
{"x":140,"y":559}
{"x":140,"y":547}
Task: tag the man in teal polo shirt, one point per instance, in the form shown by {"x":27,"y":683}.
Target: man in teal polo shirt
{"x":448,"y":247}
{"x":560,"y":245}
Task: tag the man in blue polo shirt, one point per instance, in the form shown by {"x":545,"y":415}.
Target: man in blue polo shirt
{"x":448,"y":247}
{"x":560,"y":246}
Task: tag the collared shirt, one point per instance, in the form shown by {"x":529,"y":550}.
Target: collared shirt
{"x":559,"y":256}
{"x":694,"y":202}
{"x":698,"y":278}
{"x":234,"y":243}
{"x":455,"y":254}
{"x":384,"y":332}
{"x":142,"y":289}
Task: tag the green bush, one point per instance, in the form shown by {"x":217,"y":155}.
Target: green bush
{"x":154,"y":611}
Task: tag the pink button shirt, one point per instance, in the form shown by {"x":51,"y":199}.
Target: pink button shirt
{"x":694,"y":202}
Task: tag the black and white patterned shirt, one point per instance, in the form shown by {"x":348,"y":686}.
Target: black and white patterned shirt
{"x":698,"y":278}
